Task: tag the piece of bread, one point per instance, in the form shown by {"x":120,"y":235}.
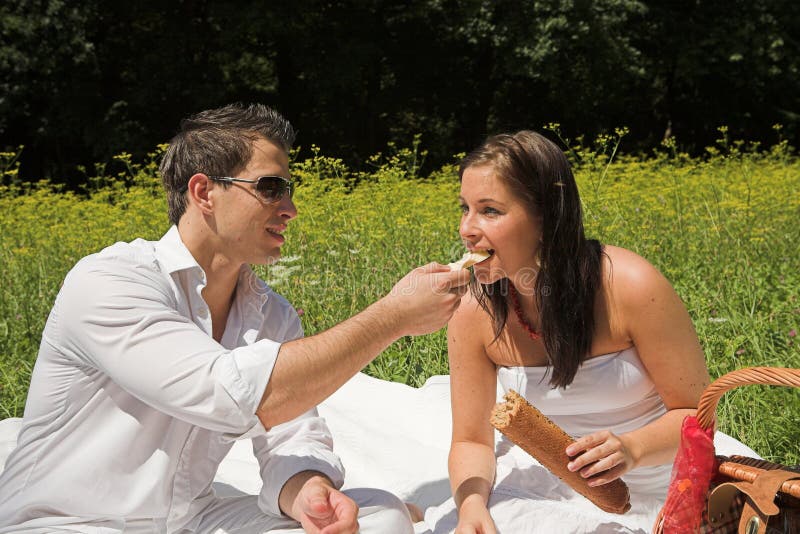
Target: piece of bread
{"x":469,"y":259}
{"x":544,"y":440}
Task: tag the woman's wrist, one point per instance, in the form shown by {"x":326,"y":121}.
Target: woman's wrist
{"x":473,"y":489}
{"x":474,"y":515}
{"x":472,"y":503}
{"x":632,"y":449}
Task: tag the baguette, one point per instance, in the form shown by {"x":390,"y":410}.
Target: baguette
{"x":544,"y":440}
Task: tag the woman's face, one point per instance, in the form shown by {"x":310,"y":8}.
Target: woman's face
{"x":493,"y":218}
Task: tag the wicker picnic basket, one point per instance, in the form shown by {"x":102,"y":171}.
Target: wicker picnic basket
{"x":747,"y":495}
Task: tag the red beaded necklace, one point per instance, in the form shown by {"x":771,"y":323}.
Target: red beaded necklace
{"x":512,"y":291}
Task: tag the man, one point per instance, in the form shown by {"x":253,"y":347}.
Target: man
{"x":158,"y":355}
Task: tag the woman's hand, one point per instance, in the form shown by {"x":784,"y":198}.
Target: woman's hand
{"x":474,"y":518}
{"x":601,"y":457}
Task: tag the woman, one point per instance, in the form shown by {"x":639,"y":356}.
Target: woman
{"x":594,"y":336}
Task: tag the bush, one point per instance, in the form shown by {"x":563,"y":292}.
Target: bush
{"x":724,"y":229}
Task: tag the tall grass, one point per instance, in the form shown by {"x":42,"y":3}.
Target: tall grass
{"x":725,"y":229}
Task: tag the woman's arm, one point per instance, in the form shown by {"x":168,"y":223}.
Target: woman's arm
{"x":473,"y":383}
{"x":649,"y":312}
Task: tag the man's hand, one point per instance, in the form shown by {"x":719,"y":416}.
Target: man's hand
{"x":318,"y":506}
{"x":425,"y":298}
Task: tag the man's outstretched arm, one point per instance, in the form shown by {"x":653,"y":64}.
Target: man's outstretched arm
{"x":309,"y":370}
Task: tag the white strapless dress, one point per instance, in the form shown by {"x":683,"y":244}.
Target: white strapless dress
{"x":611,"y":392}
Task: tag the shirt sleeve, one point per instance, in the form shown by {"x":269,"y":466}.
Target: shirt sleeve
{"x":119,"y":316}
{"x":302,"y":444}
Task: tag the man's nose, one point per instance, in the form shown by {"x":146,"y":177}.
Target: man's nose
{"x":286,"y":208}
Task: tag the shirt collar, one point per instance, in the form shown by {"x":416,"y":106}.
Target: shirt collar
{"x":173,"y":256}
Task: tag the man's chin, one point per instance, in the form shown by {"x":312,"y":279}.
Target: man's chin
{"x":269,"y":258}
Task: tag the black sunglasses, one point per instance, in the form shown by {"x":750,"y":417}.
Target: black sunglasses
{"x":268,"y":188}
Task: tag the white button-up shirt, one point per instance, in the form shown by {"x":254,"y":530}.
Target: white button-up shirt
{"x":133,"y":405}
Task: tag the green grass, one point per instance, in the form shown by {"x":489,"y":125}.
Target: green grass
{"x":724,"y":229}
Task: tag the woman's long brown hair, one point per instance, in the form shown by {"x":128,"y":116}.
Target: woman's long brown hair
{"x":569,"y":274}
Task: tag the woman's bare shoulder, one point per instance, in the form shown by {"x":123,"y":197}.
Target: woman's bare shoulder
{"x":630,"y":285}
{"x":627,"y":273}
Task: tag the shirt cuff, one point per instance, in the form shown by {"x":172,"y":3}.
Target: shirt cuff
{"x":268,"y":499}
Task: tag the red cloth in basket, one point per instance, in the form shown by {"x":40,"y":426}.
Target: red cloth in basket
{"x":695,"y":465}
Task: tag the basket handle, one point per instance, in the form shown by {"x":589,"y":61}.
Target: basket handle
{"x":768,"y":376}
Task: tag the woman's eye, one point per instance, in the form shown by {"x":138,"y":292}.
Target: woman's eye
{"x":484,"y":211}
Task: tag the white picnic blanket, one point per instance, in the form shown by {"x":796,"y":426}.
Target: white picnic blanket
{"x":389,"y":436}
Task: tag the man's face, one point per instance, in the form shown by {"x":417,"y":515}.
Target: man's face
{"x":251,"y":229}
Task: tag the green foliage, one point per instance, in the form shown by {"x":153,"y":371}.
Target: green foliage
{"x":9,"y":167}
{"x":723,"y":229}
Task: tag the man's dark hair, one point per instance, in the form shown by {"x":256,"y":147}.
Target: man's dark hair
{"x":218,"y":142}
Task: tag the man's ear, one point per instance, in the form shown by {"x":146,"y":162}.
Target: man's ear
{"x":198,"y":188}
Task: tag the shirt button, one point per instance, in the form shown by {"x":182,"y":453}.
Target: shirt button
{"x":202,"y":313}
